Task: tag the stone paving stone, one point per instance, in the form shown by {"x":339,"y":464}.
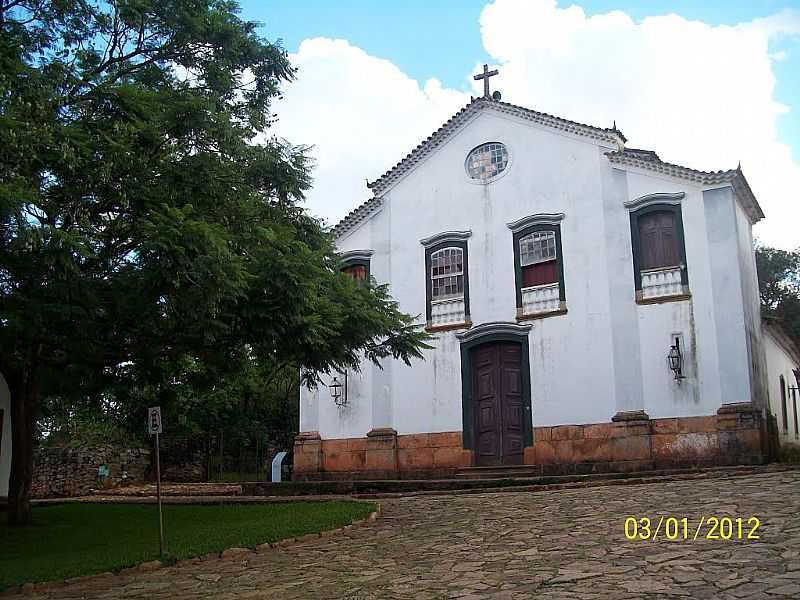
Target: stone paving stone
{"x":557,"y":544}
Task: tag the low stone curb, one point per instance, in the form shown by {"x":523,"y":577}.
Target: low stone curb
{"x":182,"y":500}
{"x":153,"y":565}
{"x":715,"y":473}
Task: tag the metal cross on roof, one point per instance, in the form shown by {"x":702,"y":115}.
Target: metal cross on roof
{"x":485,"y":76}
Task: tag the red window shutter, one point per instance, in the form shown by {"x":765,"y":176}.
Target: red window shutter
{"x":540,"y":273}
{"x":358,"y":272}
{"x":658,"y":240}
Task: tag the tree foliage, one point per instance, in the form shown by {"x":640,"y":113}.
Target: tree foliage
{"x":779,"y":286}
{"x":150,"y":230}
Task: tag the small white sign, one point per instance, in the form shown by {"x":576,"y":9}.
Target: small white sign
{"x":154,"y":420}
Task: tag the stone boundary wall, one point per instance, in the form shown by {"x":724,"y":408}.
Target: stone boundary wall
{"x":631,"y":442}
{"x":183,"y":458}
{"x":64,"y":471}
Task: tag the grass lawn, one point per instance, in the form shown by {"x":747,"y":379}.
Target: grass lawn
{"x":69,"y":540}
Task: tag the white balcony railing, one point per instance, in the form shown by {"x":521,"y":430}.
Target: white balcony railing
{"x":446,"y":312}
{"x":540,"y":299}
{"x":661,"y":282}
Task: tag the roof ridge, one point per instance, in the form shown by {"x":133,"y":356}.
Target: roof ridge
{"x":632,"y":156}
{"x":355,"y":216}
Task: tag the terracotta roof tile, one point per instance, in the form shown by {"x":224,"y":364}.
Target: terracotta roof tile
{"x":355,"y":216}
{"x":437,"y":138}
{"x":646,"y":159}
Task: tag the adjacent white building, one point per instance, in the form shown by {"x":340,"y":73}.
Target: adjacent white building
{"x":557,"y":270}
{"x":783,"y":381}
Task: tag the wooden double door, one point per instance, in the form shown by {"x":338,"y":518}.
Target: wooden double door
{"x":498,"y":403}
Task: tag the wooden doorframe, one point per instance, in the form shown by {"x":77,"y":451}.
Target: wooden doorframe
{"x":490,"y":333}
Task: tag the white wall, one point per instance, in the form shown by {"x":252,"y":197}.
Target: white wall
{"x":779,"y":362}
{"x":5,"y":435}
{"x":657,"y":324}
{"x":752,"y":308}
{"x":607,"y":354}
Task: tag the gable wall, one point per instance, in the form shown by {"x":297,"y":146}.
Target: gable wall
{"x":549,"y":173}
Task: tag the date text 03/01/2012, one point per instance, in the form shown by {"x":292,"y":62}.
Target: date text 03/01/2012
{"x":682,"y":528}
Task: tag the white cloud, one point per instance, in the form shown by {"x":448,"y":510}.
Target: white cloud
{"x":361,"y":113}
{"x":700,"y":95}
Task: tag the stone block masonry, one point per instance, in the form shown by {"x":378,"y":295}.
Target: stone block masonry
{"x":630,"y":442}
{"x":64,"y":471}
{"x":381,"y":455}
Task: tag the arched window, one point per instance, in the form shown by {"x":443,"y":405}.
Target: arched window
{"x":447,"y":273}
{"x":355,"y":264}
{"x":447,"y":280}
{"x":538,"y":266}
{"x":659,"y":256}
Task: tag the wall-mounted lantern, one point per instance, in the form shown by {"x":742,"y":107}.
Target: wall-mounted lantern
{"x":339,"y":391}
{"x":675,"y":360}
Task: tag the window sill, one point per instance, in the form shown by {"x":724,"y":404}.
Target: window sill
{"x":662,"y":299}
{"x":451,"y":300}
{"x":448,"y":327}
{"x":543,"y":315}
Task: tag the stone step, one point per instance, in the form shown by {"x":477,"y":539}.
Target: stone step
{"x":498,"y":472}
{"x":519,"y":479}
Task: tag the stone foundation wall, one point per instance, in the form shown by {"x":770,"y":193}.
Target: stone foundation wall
{"x":60,"y":472}
{"x":631,"y":442}
{"x":634,"y":442}
{"x":381,"y":455}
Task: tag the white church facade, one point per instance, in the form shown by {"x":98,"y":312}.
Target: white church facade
{"x":592,"y":308}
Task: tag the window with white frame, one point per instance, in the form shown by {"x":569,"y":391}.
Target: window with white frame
{"x":538,"y":268}
{"x":537,"y":247}
{"x":447,"y":274}
{"x":538,"y":258}
{"x":447,"y":280}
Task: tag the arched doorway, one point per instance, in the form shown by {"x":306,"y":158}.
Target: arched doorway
{"x":496,"y":393}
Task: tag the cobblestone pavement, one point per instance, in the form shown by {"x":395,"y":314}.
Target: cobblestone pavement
{"x":556,"y":544}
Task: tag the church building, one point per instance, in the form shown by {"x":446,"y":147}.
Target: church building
{"x":593,"y":308}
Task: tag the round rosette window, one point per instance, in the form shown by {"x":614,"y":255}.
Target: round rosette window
{"x":487,"y":161}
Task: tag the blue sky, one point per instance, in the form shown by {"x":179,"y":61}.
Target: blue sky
{"x":377,"y":77}
{"x":440,"y":38}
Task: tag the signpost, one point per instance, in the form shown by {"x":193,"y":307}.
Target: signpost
{"x":154,"y":427}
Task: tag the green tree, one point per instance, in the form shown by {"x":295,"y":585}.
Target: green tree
{"x":779,"y":286}
{"x":143,"y":230}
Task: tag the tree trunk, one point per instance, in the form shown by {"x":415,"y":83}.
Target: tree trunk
{"x":25,"y":399}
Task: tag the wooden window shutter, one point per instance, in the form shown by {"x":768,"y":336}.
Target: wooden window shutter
{"x":358,"y":272}
{"x":540,"y":273}
{"x":658,"y":237}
